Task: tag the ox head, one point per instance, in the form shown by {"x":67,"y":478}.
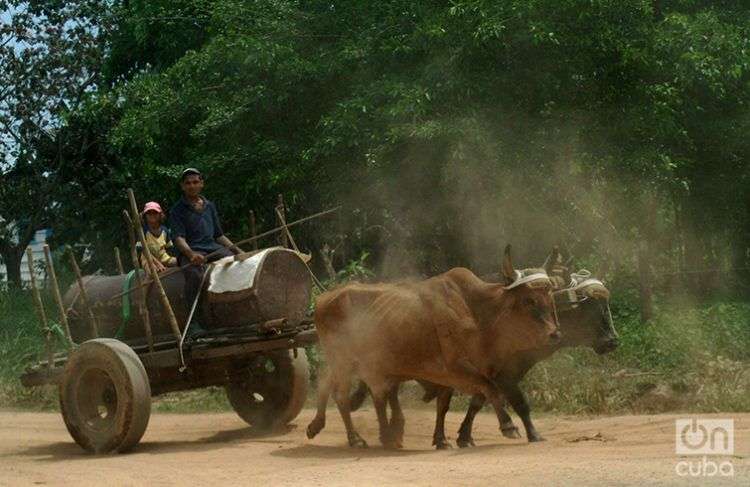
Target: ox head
{"x":582,"y":305}
{"x":529,"y":292}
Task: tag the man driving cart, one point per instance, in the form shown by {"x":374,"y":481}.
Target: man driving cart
{"x":197,"y":232}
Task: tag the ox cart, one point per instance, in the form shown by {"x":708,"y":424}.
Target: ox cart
{"x":124,"y":347}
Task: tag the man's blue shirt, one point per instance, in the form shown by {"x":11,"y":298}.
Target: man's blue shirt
{"x":200,"y":229}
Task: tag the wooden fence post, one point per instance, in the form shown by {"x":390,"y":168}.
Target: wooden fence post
{"x":56,"y":293}
{"x":40,"y":309}
{"x":118,"y":261}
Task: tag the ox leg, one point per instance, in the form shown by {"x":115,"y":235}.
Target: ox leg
{"x":517,"y":399}
{"x":342,"y":401}
{"x":464,"y":432}
{"x":324,"y":391}
{"x":397,"y":418}
{"x":507,"y":428}
{"x":379,"y":399}
{"x":443,"y":404}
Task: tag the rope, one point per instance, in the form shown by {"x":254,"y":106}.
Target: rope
{"x":319,"y":284}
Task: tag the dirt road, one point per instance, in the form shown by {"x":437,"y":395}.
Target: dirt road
{"x":214,"y":449}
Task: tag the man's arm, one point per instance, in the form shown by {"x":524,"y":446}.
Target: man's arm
{"x":184,"y":248}
{"x":178,"y":234}
{"x":224,"y":240}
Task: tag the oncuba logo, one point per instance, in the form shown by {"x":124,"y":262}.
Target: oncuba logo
{"x":704,"y":437}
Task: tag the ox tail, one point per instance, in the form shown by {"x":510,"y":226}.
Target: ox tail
{"x":358,"y":397}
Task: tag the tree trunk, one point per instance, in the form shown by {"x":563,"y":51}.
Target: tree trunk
{"x":12,"y":259}
{"x":644,"y":284}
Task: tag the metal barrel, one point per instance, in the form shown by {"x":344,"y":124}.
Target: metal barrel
{"x":281,"y":288}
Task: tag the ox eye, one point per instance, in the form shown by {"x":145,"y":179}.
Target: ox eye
{"x":529,"y":302}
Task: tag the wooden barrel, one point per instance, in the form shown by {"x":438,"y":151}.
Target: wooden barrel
{"x":280,"y":287}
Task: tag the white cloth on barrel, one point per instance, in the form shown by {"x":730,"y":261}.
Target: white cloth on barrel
{"x":229,"y":275}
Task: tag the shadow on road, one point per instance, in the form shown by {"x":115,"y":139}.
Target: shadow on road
{"x":70,"y":451}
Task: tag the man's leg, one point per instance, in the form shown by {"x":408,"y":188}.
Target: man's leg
{"x":193,"y":275}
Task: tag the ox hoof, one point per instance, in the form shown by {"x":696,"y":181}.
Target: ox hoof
{"x":356,"y":441}
{"x":314,"y":428}
{"x":535,"y":438}
{"x":465,"y":442}
{"x":391,"y":442}
{"x":443,"y":445}
{"x":510,"y":432}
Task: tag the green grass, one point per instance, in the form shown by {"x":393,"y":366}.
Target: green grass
{"x":691,"y":357}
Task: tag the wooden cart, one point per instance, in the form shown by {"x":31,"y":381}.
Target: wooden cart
{"x":129,"y":347}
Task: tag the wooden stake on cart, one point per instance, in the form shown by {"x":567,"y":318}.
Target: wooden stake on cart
{"x":252,"y":229}
{"x":40,"y":310}
{"x":83,"y":294}
{"x":142,"y":304}
{"x":135,"y":216}
{"x":56,"y":293}
{"x":284,"y":240}
{"x":118,"y":261}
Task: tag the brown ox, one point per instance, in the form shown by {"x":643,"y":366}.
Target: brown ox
{"x":453,"y":330}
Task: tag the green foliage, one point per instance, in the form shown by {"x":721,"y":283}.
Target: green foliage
{"x":616,"y":129}
{"x":21,"y":343}
{"x":690,"y":358}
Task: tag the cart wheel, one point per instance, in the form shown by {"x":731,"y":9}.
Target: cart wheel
{"x":105,"y":396}
{"x":274,"y":390}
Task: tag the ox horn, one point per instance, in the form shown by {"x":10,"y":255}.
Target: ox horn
{"x":509,"y":274}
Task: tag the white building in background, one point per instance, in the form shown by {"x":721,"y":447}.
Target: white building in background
{"x":37,"y":247}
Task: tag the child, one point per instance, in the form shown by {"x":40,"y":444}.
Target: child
{"x":157,"y":238}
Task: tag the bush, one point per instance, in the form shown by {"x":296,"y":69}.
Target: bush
{"x":690,"y":357}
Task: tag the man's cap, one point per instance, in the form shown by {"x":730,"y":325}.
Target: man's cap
{"x":189,"y":171}
{"x":152,"y":206}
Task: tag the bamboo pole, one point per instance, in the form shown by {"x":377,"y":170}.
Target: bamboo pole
{"x":40,"y":309}
{"x":142,"y":304}
{"x":252,"y":229}
{"x":118,"y":261}
{"x":154,"y":275}
{"x":281,"y":218}
{"x":56,"y":293}
{"x":83,"y":294}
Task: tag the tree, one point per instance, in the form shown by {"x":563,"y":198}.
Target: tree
{"x":50,"y":54}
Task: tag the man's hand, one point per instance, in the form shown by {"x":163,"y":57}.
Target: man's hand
{"x":197,"y":259}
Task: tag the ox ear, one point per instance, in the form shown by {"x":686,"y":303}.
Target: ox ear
{"x":507,"y":271}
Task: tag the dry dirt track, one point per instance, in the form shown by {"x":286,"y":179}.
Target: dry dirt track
{"x":215,"y":449}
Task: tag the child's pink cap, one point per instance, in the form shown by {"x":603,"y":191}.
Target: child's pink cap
{"x":152,"y":206}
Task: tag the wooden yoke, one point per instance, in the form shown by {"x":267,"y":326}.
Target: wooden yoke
{"x":138,"y":226}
